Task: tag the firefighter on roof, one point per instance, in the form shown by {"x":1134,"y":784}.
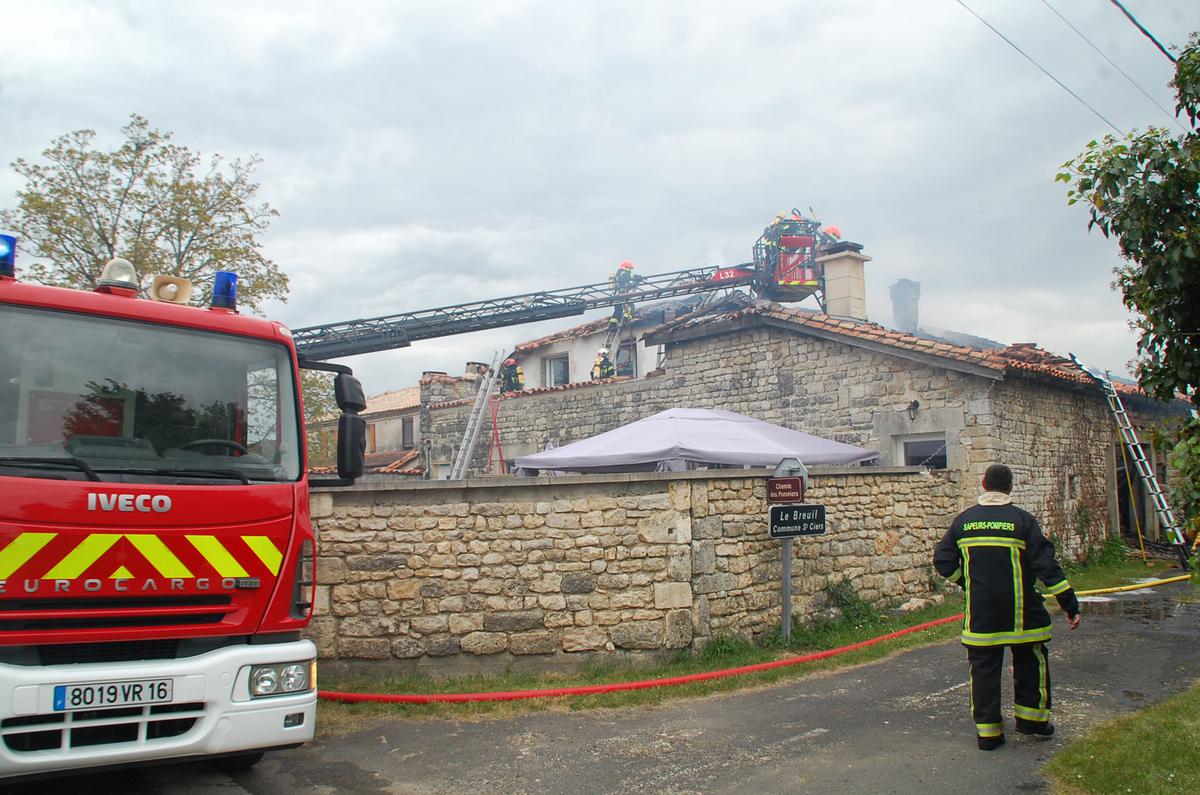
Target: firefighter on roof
{"x":622,"y":282}
{"x":830,"y":234}
{"x":603,"y":367}
{"x":512,"y":377}
{"x":995,"y":551}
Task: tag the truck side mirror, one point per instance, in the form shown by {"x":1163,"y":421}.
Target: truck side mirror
{"x":352,"y":429}
{"x":351,"y":445}
{"x":348,"y":393}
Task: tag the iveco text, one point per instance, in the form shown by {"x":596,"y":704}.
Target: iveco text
{"x":159,"y":503}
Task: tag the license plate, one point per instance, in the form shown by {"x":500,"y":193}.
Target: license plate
{"x":112,"y":694}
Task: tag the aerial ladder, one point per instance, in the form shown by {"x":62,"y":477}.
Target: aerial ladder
{"x":784,"y":268}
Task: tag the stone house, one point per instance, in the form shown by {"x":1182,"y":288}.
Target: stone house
{"x":919,"y":400}
{"x":501,"y":570}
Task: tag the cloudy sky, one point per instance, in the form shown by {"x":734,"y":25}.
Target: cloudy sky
{"x":423,"y":154}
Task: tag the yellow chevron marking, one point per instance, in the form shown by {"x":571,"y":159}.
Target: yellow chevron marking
{"x":83,"y":556}
{"x":218,"y":556}
{"x":121,"y":573}
{"x":266,"y":550}
{"x":161,"y":558}
{"x":20,"y":550}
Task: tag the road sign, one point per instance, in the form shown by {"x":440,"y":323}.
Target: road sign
{"x":785,"y":490}
{"x":789,"y":521}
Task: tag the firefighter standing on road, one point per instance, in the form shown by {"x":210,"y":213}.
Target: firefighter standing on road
{"x":995,"y":550}
{"x":512,"y":377}
{"x":603,"y":366}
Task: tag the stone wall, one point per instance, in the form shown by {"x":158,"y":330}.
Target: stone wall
{"x":1058,"y":442}
{"x":571,"y":566}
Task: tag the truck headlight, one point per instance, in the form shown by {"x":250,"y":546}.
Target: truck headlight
{"x":281,"y":679}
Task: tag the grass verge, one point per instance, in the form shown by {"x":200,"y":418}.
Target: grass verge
{"x":1153,"y":751}
{"x":858,"y":621}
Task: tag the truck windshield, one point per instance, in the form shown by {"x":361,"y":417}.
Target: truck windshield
{"x":131,"y":401}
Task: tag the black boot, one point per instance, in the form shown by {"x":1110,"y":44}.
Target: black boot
{"x":1040,"y":729}
{"x":990,"y":743}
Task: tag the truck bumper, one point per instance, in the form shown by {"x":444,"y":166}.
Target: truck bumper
{"x":211,"y":711}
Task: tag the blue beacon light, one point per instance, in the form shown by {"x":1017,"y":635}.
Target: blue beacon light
{"x":224,"y":294}
{"x":8,"y":256}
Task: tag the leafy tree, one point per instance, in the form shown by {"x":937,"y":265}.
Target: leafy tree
{"x":1142,"y":190}
{"x":316,"y":387}
{"x":153,"y":202}
{"x":166,"y":210}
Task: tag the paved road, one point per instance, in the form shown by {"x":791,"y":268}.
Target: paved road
{"x":896,"y":726}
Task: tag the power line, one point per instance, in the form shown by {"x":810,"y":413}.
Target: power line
{"x":1113,"y":64}
{"x":1142,"y":28}
{"x":1042,"y":68}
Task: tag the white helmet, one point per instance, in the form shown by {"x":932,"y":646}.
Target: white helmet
{"x":603,"y":351}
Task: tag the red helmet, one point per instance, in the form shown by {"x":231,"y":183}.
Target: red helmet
{"x":833,"y":231}
{"x":510,"y":360}
{"x":626,"y":265}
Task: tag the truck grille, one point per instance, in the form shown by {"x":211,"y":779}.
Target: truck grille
{"x":27,"y":615}
{"x":60,"y":731}
{"x":125,"y":651}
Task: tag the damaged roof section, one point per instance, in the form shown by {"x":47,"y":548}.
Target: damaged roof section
{"x":645,"y":316}
{"x":1023,"y":358}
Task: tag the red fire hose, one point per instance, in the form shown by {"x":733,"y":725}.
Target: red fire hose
{"x":589,"y":690}
{"x":555,"y":692}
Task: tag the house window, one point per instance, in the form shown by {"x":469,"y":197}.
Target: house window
{"x":406,"y":431}
{"x":557,"y":370}
{"x":371,"y":438}
{"x":922,"y":450}
{"x":626,"y":362}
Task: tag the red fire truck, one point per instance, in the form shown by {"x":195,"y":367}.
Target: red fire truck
{"x":156,"y":553}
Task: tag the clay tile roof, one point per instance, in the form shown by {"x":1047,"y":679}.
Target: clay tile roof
{"x":1022,"y":358}
{"x":409,"y":398}
{"x":445,"y":404}
{"x":399,"y":464}
{"x":1026,"y":357}
{"x":862,"y":330}
{"x":582,"y":330}
{"x":390,"y":463}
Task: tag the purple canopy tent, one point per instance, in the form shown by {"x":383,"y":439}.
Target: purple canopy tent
{"x":679,"y":439}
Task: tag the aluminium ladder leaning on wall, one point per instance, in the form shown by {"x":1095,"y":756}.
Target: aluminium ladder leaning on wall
{"x":1166,"y":517}
{"x":487,"y":385}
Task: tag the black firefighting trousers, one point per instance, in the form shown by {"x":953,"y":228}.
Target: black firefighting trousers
{"x":1031,"y":685}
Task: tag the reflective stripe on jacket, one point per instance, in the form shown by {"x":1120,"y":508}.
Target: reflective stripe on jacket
{"x":995,"y":552}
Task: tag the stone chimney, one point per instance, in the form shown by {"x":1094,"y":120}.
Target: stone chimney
{"x":906,"y":305}
{"x":845,"y":285}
